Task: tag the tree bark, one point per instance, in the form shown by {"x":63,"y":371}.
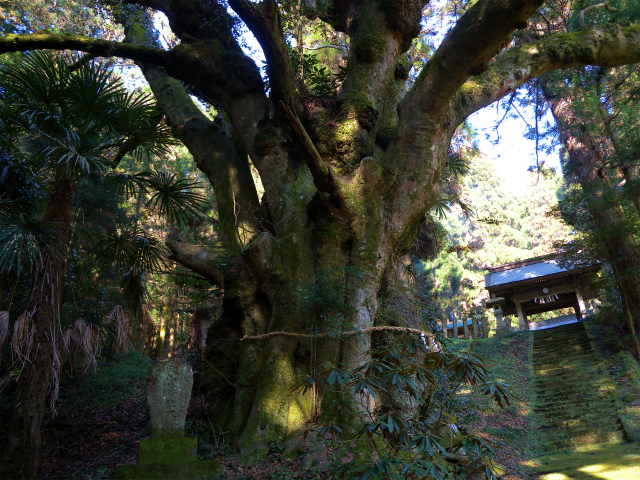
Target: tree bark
{"x":21,"y":457}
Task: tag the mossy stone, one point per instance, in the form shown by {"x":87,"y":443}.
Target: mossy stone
{"x":168,"y":449}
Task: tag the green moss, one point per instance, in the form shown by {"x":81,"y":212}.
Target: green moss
{"x":385,"y":135}
{"x":346,"y":130}
{"x":403,"y":66}
{"x":256,"y":455}
{"x":370,"y":49}
{"x":168,"y":449}
{"x":566,"y":48}
{"x":359,"y":106}
{"x":266,"y":139}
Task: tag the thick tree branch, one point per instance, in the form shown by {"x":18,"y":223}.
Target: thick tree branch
{"x":207,"y":141}
{"x":477,"y":37}
{"x":323,"y":176}
{"x":263,"y":19}
{"x":222,"y":72}
{"x":210,"y":261}
{"x":607,"y":46}
{"x":103,"y":48}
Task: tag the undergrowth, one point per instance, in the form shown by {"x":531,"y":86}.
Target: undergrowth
{"x":507,"y":358}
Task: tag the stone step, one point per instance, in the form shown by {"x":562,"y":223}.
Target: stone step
{"x":557,"y":393}
{"x":567,"y":353}
{"x":574,"y":396}
{"x":578,"y":445}
{"x":581,"y":378}
{"x":576,"y":424}
{"x":548,"y":345}
{"x":563,"y":361}
{"x":569,"y":370}
{"x":571,"y":406}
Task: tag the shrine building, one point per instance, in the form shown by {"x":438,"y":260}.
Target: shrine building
{"x":538,"y":285}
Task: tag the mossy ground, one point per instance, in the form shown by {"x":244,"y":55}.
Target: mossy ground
{"x":617,"y":462}
{"x":101,"y":417}
{"x":514,"y":428}
{"x":510,"y":428}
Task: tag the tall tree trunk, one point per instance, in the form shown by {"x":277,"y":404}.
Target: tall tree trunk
{"x":586,"y":166}
{"x":39,"y":372}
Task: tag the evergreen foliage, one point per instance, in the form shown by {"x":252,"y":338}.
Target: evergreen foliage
{"x":504,"y":227}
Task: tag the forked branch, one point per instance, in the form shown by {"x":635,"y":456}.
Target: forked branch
{"x":323,"y":177}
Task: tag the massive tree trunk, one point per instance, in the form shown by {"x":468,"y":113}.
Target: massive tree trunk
{"x":587,"y":165}
{"x":40,"y":329}
{"x":347,"y":181}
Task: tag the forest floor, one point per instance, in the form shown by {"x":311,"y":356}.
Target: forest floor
{"x":102,"y":415}
{"x":510,"y":427}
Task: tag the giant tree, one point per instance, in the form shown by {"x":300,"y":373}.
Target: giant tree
{"x":346,"y":182}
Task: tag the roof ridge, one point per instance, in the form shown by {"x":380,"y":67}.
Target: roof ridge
{"x":522,"y":263}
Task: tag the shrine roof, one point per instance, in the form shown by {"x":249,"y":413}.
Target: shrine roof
{"x":526,"y":270}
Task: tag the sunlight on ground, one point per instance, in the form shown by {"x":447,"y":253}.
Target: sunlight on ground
{"x":619,"y":462}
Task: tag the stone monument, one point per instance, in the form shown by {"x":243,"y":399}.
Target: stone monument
{"x":496,"y":303}
{"x":168,"y":454}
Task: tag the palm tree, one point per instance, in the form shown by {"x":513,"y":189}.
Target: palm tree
{"x":65,"y":121}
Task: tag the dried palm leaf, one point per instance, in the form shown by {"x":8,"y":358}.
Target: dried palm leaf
{"x":54,"y":385}
{"x":121,"y":327}
{"x":69,"y":338}
{"x":23,"y":335}
{"x":91,"y":345}
{"x":80,"y":326}
{"x":4,"y":329}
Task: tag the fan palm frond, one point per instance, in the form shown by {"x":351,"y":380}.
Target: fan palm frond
{"x":147,"y":253}
{"x":131,"y":248}
{"x":124,"y":184}
{"x":21,"y":238}
{"x":174,"y":197}
{"x":134,"y":291}
{"x":117,"y":247}
{"x":38,"y":78}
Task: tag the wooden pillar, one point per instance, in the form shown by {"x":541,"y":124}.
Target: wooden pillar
{"x":485,"y":327}
{"x":580,"y":301}
{"x":521,"y":317}
{"x":455,"y":328}
{"x":475,"y":326}
{"x":576,"y":307}
{"x":465,"y":327}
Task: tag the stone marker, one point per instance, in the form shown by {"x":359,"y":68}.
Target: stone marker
{"x":168,"y":454}
{"x":496,"y":303}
